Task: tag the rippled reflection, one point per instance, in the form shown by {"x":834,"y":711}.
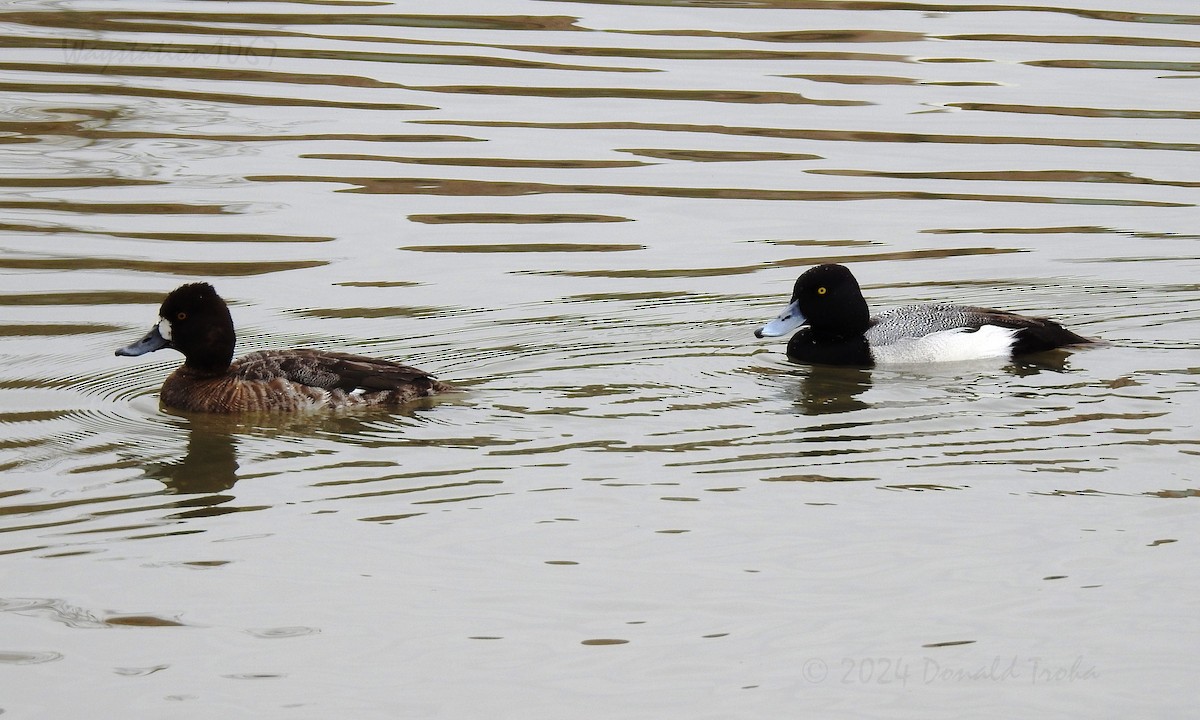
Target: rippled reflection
{"x":209,"y":464}
{"x":825,"y":390}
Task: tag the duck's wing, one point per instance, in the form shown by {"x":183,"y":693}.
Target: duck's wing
{"x":916,"y":321}
{"x":331,"y":370}
{"x":1034,"y":334}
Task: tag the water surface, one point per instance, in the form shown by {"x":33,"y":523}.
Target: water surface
{"x":580,"y":211}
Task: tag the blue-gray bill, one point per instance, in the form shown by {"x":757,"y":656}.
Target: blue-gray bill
{"x":788,"y":320}
{"x":151,"y":342}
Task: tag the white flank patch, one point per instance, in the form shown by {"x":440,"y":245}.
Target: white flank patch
{"x":164,"y":329}
{"x":989,"y":341}
{"x":317,"y":402}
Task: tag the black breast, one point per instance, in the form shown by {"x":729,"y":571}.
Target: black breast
{"x":808,"y":347}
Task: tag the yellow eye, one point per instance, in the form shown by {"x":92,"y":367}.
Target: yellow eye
{"x":821,"y":291}
{"x":183,"y":315}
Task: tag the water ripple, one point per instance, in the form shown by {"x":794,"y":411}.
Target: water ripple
{"x":484,"y":188}
{"x":871,"y":136}
{"x":611,"y":196}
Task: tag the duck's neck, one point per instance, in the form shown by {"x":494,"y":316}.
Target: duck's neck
{"x":213,"y":354}
{"x":847,"y":318}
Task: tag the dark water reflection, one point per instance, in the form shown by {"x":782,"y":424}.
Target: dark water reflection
{"x":209,"y":460}
{"x":209,"y":464}
{"x":823,"y":390}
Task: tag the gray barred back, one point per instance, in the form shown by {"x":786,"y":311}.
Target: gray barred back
{"x":911,"y":321}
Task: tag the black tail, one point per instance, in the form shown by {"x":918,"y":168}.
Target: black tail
{"x":1039,"y":334}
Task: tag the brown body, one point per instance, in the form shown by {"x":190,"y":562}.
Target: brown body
{"x":292,"y":381}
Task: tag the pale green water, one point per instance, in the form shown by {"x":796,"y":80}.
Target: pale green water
{"x":582,"y":211}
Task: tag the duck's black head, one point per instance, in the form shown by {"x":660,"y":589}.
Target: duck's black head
{"x":829,"y":296}
{"x":827,"y":299}
{"x":194,"y":320}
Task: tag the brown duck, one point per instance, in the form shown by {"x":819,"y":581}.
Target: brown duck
{"x":195,"y":321}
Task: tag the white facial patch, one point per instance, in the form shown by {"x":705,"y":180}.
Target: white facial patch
{"x":164,"y":329}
